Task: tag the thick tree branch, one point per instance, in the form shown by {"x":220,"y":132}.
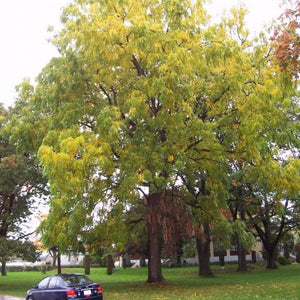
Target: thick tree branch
{"x":140,"y":70}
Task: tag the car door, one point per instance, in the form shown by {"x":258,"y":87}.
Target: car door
{"x":41,"y":289}
{"x":57,"y":288}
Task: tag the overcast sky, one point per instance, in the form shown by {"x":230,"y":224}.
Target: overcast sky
{"x":25,"y":49}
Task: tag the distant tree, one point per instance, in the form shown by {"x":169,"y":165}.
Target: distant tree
{"x":237,"y":206}
{"x":273,"y":221}
{"x":265,"y":197}
{"x":203,"y":213}
{"x":21,"y":181}
{"x":26,"y":250}
{"x":286,"y":38}
{"x":16,"y":248}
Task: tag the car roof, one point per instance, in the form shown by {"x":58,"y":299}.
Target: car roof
{"x":65,"y":275}
{"x":70,"y":274}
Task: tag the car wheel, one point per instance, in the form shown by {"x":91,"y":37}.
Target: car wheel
{"x":29,"y":298}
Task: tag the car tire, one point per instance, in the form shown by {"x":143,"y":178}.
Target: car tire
{"x":29,"y":298}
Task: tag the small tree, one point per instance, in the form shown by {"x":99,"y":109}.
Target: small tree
{"x":21,"y":180}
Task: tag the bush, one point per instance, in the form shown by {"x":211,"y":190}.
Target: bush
{"x":284,"y":261}
{"x":103,"y":262}
{"x":26,"y":268}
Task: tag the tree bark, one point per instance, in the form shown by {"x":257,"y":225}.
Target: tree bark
{"x":253,"y":257}
{"x":154,"y":240}
{"x":54,"y":257}
{"x":270,"y":242}
{"x":179,"y":251}
{"x":109,"y":264}
{"x":222,"y":260}
{"x":142,"y":260}
{"x":297,"y":250}
{"x":242,"y":263}
{"x":3,"y":268}
{"x":58,"y":262}
{"x":286,"y":250}
{"x":271,"y":260}
{"x":87,"y":264}
{"x":203,"y":249}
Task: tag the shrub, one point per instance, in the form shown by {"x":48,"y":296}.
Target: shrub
{"x":283,"y":260}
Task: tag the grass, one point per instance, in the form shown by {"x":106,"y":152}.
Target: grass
{"x":181,"y":283}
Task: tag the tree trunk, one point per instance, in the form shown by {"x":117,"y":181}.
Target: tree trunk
{"x":142,"y":260}
{"x":242,"y":263}
{"x":3,"y":268}
{"x":58,"y":262}
{"x":253,"y":257}
{"x":179,"y":251}
{"x":222,"y":260}
{"x":297,"y":250}
{"x":109,"y":264}
{"x":271,"y":259}
{"x":203,"y":249}
{"x":286,"y":250}
{"x":54,"y":257}
{"x":87,"y":264}
{"x":154,"y":240}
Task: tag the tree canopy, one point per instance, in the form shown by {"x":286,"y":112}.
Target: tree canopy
{"x":21,"y":181}
{"x":148,"y":94}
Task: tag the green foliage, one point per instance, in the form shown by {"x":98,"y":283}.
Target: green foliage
{"x":27,"y":251}
{"x":21,"y":182}
{"x":222,"y":232}
{"x":239,"y":228}
{"x":147,"y":96}
{"x":284,"y":261}
{"x":17,"y":248}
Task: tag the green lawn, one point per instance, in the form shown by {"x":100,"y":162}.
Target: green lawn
{"x":181,"y":283}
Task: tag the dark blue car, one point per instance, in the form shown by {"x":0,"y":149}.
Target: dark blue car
{"x":65,"y":287}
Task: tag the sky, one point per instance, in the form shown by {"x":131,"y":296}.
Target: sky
{"x":25,"y":49}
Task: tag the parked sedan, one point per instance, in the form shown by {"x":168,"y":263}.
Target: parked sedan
{"x":65,"y":287}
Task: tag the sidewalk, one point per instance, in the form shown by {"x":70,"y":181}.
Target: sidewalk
{"x":10,"y":298}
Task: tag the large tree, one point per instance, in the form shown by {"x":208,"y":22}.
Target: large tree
{"x":128,"y":105}
{"x":141,"y":90}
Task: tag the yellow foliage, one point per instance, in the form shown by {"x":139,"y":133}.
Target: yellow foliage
{"x":170,"y":158}
{"x":139,"y":82}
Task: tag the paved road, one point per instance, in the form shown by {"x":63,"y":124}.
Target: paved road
{"x":10,"y":298}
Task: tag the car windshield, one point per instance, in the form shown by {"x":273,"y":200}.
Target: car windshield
{"x":74,"y":279}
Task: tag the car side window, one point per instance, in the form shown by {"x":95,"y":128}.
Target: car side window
{"x":60,"y":282}
{"x":44,"y":283}
{"x":53,"y":283}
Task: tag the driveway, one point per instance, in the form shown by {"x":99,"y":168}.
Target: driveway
{"x":10,"y":298}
